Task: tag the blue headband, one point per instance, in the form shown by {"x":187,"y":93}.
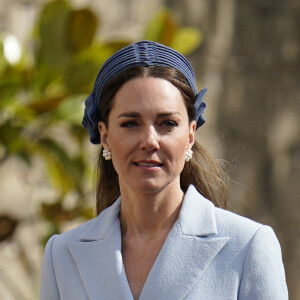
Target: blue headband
{"x":144,"y":53}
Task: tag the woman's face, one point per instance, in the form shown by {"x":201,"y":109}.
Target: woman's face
{"x":148,"y":133}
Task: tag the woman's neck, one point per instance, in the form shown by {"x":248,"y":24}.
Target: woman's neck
{"x":144,"y":216}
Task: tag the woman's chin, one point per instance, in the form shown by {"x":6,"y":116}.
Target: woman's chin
{"x":150,"y":186}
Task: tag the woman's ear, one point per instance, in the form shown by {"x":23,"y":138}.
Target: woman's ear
{"x":192,"y":131}
{"x":104,"y":134}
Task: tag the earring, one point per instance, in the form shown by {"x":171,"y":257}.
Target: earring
{"x":188,"y":154}
{"x":106,"y":154}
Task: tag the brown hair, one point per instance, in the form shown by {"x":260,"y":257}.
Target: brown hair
{"x":204,"y":172}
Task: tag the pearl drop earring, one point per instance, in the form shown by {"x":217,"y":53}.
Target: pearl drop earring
{"x":188,"y":154}
{"x":106,"y":154}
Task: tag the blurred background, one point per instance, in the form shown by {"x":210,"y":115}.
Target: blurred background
{"x":246,"y":52}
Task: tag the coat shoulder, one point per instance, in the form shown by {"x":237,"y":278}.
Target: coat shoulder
{"x":230,"y":223}
{"x":238,"y":228}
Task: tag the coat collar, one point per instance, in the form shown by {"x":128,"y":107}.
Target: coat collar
{"x":101,"y":226}
{"x":197,"y":215}
{"x":193,"y":241}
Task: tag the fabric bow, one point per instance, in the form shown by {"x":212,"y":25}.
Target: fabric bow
{"x":200,"y":106}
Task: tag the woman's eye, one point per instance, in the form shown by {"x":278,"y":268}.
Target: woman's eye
{"x":169,"y":123}
{"x":129,"y":124}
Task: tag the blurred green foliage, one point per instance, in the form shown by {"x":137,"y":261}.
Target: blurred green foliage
{"x":46,"y":91}
{"x":164,"y":29}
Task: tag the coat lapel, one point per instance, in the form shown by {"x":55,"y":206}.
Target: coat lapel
{"x":98,"y":258}
{"x":188,"y":250}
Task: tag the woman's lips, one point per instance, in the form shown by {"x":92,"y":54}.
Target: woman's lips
{"x":148,"y":164}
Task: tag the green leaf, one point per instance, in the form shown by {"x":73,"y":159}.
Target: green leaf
{"x":48,"y":75}
{"x":81,"y":76}
{"x":9,"y":134}
{"x":81,"y":29}
{"x":70,"y":111}
{"x":44,"y":105}
{"x":56,"y":171}
{"x":161,"y":28}
{"x":186,"y":40}
{"x":11,"y":137}
{"x":64,"y":171}
{"x":86,"y":64}
{"x":53,"y":48}
{"x":11,"y":80}
{"x":111,"y":47}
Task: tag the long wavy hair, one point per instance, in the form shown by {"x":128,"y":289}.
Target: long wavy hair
{"x":203,"y":171}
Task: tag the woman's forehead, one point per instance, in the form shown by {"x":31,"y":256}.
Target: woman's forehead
{"x":149,"y":94}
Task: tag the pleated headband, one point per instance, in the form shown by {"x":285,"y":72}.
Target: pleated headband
{"x":144,"y":53}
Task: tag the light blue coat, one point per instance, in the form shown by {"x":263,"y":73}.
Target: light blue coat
{"x":209,"y":254}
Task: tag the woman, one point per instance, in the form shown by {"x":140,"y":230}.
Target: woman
{"x":156,"y":235}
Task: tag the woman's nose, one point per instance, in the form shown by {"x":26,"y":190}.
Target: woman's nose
{"x":149,"y":139}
